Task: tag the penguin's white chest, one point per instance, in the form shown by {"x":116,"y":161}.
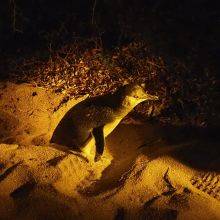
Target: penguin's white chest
{"x":108,"y":128}
{"x":89,"y":148}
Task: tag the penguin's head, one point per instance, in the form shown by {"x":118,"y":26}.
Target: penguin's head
{"x":135,"y":94}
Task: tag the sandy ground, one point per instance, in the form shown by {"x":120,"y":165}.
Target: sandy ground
{"x":164,"y":179}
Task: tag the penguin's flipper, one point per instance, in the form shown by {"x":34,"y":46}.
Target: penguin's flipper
{"x":99,"y":141}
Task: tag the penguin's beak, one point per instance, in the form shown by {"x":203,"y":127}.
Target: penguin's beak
{"x":151,"y":97}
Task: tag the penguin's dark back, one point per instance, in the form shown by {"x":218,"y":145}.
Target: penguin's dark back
{"x":91,"y":112}
{"x":112,"y":101}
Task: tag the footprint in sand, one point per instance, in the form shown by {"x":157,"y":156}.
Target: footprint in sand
{"x":23,"y":191}
{"x":160,"y":214}
{"x":208,"y":183}
{"x":13,"y":179}
{"x":8,"y":171}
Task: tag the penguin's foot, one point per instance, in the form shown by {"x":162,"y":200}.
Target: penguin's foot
{"x":97,"y":157}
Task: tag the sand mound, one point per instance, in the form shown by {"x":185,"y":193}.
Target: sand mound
{"x":141,"y":175}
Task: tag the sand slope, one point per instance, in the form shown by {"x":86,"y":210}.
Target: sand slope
{"x":160,"y":180}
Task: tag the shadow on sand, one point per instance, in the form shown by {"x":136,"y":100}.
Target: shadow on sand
{"x":187,"y":145}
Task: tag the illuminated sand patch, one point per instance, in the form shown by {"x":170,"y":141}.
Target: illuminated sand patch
{"x":38,"y":181}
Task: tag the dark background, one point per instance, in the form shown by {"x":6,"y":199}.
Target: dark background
{"x":183,"y":24}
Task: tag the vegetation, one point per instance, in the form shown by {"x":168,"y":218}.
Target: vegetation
{"x":79,"y":47}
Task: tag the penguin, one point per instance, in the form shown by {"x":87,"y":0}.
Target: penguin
{"x":89,"y":122}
